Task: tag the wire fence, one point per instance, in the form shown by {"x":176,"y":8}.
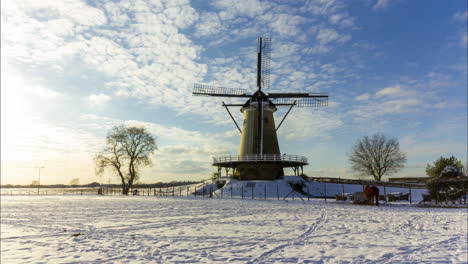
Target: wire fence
{"x":49,"y":191}
{"x":338,"y":190}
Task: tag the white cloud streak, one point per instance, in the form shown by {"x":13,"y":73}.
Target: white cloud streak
{"x":382,"y":4}
{"x":362,"y":97}
{"x":389,"y":91}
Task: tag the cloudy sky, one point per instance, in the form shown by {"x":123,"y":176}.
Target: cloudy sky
{"x":72,"y":69}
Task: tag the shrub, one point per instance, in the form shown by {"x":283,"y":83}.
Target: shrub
{"x":442,"y":190}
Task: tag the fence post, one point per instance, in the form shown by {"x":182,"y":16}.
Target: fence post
{"x":385,"y":192}
{"x":172,"y":190}
{"x":410,"y":196}
{"x":277,"y":191}
{"x":464,"y":192}
{"x":325,"y":190}
{"x":264,"y":187}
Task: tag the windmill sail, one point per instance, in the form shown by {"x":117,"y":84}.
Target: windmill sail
{"x":301,"y":102}
{"x":265,"y":59}
{"x":208,"y":90}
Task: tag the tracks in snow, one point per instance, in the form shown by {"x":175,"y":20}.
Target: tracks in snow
{"x":295,"y":241}
{"x":413,"y":254}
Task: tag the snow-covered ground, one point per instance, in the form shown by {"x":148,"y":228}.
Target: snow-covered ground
{"x":149,"y":229}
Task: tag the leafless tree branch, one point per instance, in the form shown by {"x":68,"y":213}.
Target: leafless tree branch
{"x":376,"y":156}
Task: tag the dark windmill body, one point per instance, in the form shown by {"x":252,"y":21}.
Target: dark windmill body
{"x":259,"y":152}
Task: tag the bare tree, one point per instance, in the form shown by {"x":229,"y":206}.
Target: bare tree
{"x":376,"y":156}
{"x":127,"y":148}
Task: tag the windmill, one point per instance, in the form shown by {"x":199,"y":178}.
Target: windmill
{"x":259,"y":153}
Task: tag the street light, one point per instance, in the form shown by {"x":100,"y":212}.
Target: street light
{"x":39,"y":182}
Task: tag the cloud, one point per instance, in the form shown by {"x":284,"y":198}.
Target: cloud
{"x":378,"y":108}
{"x":341,"y":19}
{"x":428,"y":150}
{"x":44,"y":31}
{"x":305,"y":124}
{"x":144,"y":56}
{"x":233,"y":8}
{"x":327,"y":35}
{"x":382,"y":4}
{"x":318,"y":49}
{"x":209,"y":24}
{"x":389,"y":91}
{"x":285,"y":24}
{"x":362,"y":97}
{"x":144,"y":50}
{"x":461,"y":16}
{"x":99,"y":99}
{"x":322,"y":8}
{"x":425,"y":94}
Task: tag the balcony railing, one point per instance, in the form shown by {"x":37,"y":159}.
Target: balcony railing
{"x":264,"y":157}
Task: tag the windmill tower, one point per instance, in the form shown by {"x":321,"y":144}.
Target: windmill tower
{"x":259,"y":153}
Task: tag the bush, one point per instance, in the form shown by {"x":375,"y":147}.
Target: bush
{"x":448,"y":184}
{"x":442,"y":190}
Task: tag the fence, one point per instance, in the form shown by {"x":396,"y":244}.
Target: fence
{"x":242,"y":192}
{"x":49,"y":191}
{"x":315,"y":188}
{"x":366,"y":182}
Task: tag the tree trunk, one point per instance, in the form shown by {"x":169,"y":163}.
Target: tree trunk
{"x":125,"y":189}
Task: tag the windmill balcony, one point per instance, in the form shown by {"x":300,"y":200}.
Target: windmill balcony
{"x":283,"y":159}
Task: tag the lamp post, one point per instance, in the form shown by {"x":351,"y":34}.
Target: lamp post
{"x":39,"y":182}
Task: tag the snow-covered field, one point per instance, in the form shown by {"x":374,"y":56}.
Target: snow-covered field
{"x":148,"y":229}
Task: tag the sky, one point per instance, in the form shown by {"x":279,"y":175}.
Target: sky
{"x":71,"y":69}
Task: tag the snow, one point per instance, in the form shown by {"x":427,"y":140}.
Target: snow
{"x":144,"y":229}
